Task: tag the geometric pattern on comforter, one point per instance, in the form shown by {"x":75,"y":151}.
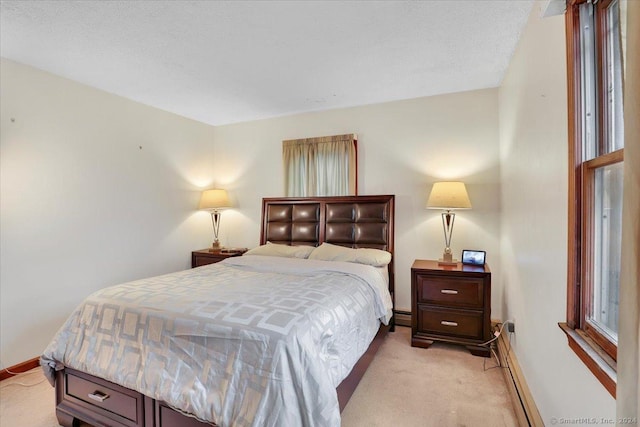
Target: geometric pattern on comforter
{"x":251,"y":341}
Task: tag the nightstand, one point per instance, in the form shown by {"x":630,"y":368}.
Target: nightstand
{"x":209,"y":256}
{"x":451,"y":304}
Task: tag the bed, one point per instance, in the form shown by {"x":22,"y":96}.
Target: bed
{"x":237,"y":371}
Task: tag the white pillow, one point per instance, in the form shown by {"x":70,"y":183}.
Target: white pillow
{"x":274,"y":249}
{"x":329,"y":252}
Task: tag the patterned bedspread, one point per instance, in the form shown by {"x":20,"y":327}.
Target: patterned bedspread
{"x":250,"y":341}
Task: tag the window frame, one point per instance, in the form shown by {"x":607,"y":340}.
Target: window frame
{"x":589,"y":170}
{"x":594,"y":349}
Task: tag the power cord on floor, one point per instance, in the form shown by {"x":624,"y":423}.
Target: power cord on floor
{"x":492,"y":347}
{"x":19,"y":375}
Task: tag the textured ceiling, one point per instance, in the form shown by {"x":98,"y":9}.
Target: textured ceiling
{"x":224,"y":62}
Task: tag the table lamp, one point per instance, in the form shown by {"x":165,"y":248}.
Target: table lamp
{"x":214,"y":201}
{"x":448,"y":196}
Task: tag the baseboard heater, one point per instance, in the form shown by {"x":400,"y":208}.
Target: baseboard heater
{"x":403,"y":318}
{"x":523,"y":404}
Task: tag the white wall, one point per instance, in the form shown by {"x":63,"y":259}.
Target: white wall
{"x":533,"y":143}
{"x":82,"y":205}
{"x":403,"y":147}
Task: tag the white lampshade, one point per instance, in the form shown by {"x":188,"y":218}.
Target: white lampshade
{"x":448,"y":195}
{"x":214,"y":199}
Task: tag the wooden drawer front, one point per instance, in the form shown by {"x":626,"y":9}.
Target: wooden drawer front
{"x":458,"y":323}
{"x":205,"y":260}
{"x":118,"y":402}
{"x":166,"y":416}
{"x":450,"y":291}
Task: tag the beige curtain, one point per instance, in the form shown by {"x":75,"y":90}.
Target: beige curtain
{"x":324,"y":166}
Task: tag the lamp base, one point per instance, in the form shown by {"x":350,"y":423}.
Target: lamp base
{"x":447,"y":259}
{"x":215,"y":246}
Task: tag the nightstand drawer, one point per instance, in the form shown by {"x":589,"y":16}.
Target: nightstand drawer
{"x":206,"y":256}
{"x":116,"y":400}
{"x":449,"y":322}
{"x":199,"y":261}
{"x":457,"y":292}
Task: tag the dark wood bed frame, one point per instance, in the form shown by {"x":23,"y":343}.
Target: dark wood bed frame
{"x":352,"y":221}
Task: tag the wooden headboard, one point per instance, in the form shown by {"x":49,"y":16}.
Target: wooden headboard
{"x":352,"y":221}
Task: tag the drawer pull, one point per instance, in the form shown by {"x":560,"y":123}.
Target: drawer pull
{"x":98,"y":396}
{"x":449,"y":291}
{"x":447,"y":323}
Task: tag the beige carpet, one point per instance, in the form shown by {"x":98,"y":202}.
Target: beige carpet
{"x":441,"y":386}
{"x":404,"y":386}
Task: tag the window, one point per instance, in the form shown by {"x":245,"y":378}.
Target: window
{"x":596,"y":142}
{"x":324,"y":166}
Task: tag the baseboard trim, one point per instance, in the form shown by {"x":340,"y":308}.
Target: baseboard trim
{"x":19,"y":368}
{"x":403,"y":318}
{"x":523,"y":404}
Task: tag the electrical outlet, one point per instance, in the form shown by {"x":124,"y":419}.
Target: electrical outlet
{"x":511,"y":327}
